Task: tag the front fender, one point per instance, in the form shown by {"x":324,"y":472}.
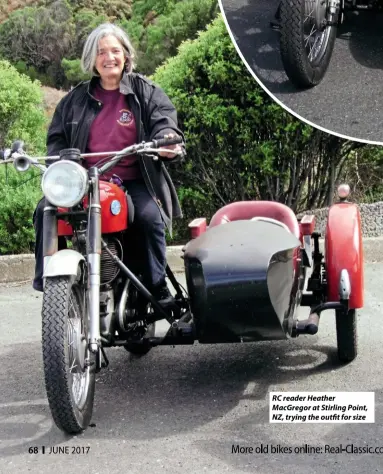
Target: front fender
{"x":344,"y":250}
{"x":63,"y":262}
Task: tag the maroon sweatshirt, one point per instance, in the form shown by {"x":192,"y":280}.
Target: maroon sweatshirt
{"x":113,"y":129}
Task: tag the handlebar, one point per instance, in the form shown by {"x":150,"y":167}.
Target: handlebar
{"x":17,"y":155}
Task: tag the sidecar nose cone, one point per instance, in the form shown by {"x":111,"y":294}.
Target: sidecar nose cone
{"x":344,"y":191}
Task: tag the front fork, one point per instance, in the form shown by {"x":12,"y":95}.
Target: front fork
{"x":335,"y":12}
{"x":50,"y":247}
{"x":94,"y":261}
{"x":50,"y":236}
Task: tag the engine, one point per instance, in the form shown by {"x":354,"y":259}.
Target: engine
{"x":109,"y":268}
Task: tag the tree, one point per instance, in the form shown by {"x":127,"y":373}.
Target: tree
{"x":39,"y":36}
{"x":157,"y":29}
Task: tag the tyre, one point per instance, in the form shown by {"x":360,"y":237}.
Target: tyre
{"x":306,"y":44}
{"x":346,"y":334}
{"x":69,"y":366}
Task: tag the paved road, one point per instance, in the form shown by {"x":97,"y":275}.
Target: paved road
{"x":349,"y":101}
{"x":180,"y":410}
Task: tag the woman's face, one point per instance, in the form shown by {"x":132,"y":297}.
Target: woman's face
{"x":110,"y":60}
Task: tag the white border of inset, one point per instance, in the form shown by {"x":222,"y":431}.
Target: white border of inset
{"x":345,"y":137}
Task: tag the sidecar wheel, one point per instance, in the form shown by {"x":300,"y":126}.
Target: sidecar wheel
{"x":69,"y":366}
{"x":306,"y":47}
{"x":140,"y":349}
{"x":346,"y":333}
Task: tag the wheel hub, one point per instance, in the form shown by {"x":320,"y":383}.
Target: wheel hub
{"x":317,"y":10}
{"x":79,"y":343}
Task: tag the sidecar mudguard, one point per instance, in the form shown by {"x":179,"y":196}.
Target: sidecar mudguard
{"x":240,"y":276}
{"x":344,"y":251}
{"x":63,"y":262}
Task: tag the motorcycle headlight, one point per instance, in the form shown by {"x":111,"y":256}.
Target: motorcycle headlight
{"x":65,"y":183}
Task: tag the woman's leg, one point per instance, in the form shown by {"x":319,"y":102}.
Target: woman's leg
{"x":151,"y":227}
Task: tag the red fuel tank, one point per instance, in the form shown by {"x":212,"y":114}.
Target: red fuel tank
{"x":114,"y":211}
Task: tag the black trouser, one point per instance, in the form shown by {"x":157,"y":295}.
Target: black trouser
{"x":148,"y":226}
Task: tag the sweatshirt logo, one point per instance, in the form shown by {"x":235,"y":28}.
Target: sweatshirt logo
{"x":126,"y":117}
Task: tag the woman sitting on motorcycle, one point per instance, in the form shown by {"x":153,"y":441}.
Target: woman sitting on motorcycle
{"x":113,"y":110}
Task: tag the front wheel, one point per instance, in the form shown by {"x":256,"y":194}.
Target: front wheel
{"x":346,"y":334}
{"x":308,"y":32}
{"x":69,"y":366}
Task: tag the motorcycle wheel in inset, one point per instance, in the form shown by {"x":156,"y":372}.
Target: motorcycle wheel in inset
{"x":69,"y":366}
{"x":346,"y":334}
{"x":306,"y":40}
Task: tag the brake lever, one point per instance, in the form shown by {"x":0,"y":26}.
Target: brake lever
{"x":157,"y":150}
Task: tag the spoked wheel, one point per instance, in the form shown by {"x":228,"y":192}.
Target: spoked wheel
{"x":69,"y":366}
{"x":346,"y":334}
{"x":308,"y":32}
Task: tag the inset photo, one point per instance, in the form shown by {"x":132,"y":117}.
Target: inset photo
{"x":320,"y":59}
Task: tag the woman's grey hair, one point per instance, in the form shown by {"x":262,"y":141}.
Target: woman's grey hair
{"x":89,"y":53}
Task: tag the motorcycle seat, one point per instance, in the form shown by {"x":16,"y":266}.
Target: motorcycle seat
{"x":248,"y":210}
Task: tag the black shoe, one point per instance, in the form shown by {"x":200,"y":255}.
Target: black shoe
{"x":38,"y":285}
{"x":162,"y":294}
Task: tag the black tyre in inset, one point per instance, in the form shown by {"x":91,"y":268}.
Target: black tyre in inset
{"x":306,"y":42}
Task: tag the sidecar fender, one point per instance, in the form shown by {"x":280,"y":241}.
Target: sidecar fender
{"x":63,"y":262}
{"x":344,"y":251}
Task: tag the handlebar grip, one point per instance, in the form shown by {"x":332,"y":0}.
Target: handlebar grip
{"x":163,"y":142}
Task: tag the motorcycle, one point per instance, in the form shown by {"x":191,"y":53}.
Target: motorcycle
{"x":308,"y":29}
{"x":247,"y":273}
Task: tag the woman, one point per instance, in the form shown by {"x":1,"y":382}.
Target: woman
{"x":113,"y":110}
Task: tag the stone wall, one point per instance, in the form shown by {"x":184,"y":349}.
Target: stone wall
{"x":371,"y":214}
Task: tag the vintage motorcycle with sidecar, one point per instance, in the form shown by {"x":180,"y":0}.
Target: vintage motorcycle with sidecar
{"x":247,"y":273}
{"x":308,"y":30}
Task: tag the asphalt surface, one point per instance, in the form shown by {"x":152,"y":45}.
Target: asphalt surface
{"x":180,"y":410}
{"x":349,"y":101}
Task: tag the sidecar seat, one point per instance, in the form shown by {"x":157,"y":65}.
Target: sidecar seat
{"x":246,"y":210}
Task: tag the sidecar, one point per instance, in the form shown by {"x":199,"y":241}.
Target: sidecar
{"x":256,"y":263}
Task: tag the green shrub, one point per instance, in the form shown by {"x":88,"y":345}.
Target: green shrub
{"x":73,"y":72}
{"x":16,"y":210}
{"x":21,"y":110}
{"x":21,"y":117}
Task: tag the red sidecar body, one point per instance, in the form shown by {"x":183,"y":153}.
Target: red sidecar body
{"x":256,"y":263}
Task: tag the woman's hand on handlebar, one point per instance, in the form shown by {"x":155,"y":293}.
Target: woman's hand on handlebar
{"x":177,"y":148}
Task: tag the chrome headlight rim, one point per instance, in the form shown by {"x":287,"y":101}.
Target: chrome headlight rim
{"x":84,"y":183}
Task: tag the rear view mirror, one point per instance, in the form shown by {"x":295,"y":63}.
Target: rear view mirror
{"x":16,"y":145}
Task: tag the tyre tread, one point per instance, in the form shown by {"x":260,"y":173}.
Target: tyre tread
{"x":54,"y":313}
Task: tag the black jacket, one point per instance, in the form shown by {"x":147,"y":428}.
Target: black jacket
{"x":155,"y":116}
